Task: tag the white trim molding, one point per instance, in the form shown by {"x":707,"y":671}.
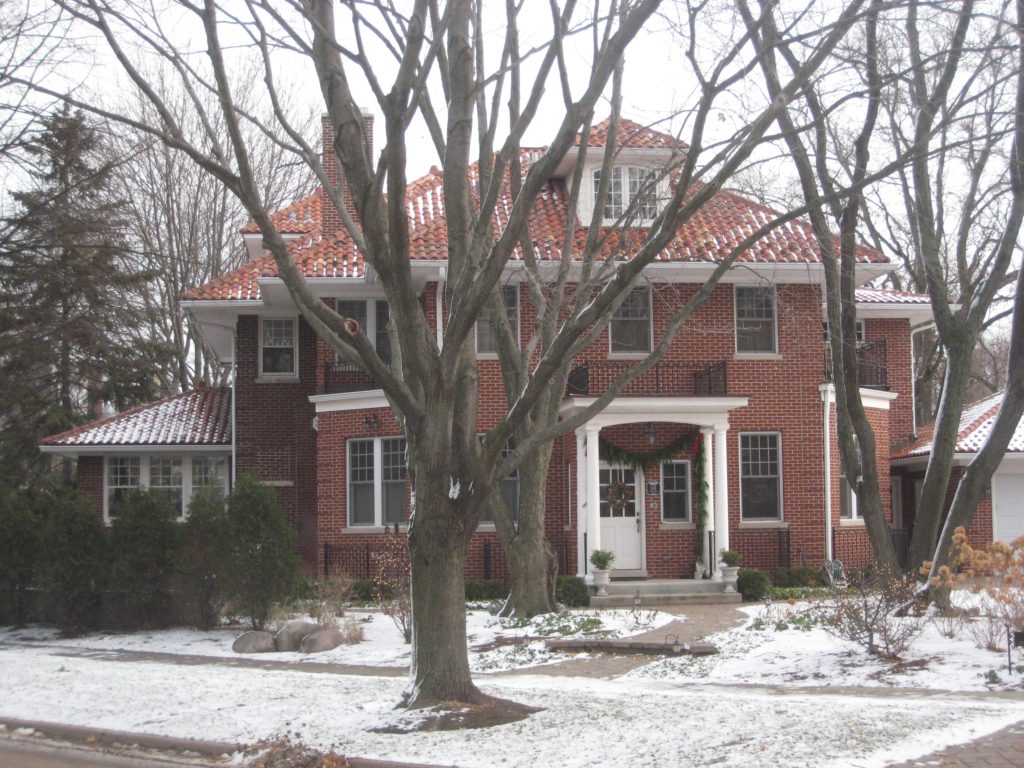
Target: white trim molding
{"x":350,"y":401}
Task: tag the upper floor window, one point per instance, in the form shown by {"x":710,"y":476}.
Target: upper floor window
{"x":755,"y":319}
{"x":279,"y":346}
{"x":486,"y":338}
{"x":630,"y":327}
{"x":859,"y":335}
{"x":377,"y":473}
{"x":372,"y":316}
{"x":508,"y":488}
{"x":632,"y":193}
{"x":760,"y":476}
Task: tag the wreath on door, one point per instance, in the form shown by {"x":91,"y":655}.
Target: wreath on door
{"x":620,"y":495}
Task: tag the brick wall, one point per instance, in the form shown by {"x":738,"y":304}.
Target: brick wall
{"x":89,"y":479}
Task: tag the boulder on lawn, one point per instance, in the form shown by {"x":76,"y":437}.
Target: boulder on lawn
{"x":322,"y":640}
{"x":289,"y":637}
{"x":254,"y":642}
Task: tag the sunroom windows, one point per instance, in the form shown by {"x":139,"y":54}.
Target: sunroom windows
{"x":377,"y":471}
{"x":176,"y":476}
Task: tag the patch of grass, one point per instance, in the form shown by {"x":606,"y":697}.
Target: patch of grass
{"x":557,"y":624}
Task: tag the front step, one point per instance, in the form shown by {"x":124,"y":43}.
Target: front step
{"x":664,"y":587}
{"x":648,"y":600}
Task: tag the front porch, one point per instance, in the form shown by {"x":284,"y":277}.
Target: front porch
{"x":653,"y":522}
{"x":644,"y":593}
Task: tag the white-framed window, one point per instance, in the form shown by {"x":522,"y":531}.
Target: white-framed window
{"x":377,"y":472}
{"x":632,"y":192}
{"x":166,"y":478}
{"x":760,"y":476}
{"x":675,"y":491}
{"x":124,"y":475}
{"x":372,"y":316}
{"x":756,"y":327}
{"x":847,"y":492}
{"x":279,"y":347}
{"x":508,"y":488}
{"x":859,"y":335}
{"x":486,"y":339}
{"x":630,"y":329}
{"x":178,"y":476}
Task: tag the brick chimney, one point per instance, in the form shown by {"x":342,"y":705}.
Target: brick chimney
{"x":328,"y":214}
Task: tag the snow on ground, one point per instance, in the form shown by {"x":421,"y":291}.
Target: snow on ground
{"x":761,"y":654}
{"x":495,"y":644}
{"x":584,"y":722}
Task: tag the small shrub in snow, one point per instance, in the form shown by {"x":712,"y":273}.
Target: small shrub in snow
{"x":948,"y":623}
{"x":328,"y":599}
{"x":868,"y":614}
{"x":201,"y":560}
{"x":571,"y":591}
{"x":485,"y":589}
{"x":262,"y":565}
{"x":801,"y":576}
{"x":999,"y":569}
{"x":751,"y":583}
{"x":393,"y":583}
{"x":351,"y":631}
{"x":987,"y":632}
{"x":144,"y":540}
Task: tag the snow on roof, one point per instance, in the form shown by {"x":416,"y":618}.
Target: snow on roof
{"x":975,"y":424}
{"x":200,"y":417}
{"x":888,"y":296}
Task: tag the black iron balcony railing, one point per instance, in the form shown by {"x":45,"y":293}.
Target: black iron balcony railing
{"x":872,"y":365}
{"x":343,"y":377}
{"x":593,"y":378}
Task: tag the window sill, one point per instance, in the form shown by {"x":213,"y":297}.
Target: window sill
{"x":627,"y":355}
{"x":667,"y":525}
{"x":362,"y":530}
{"x":486,"y":355}
{"x":767,"y":524}
{"x":283,"y":378}
{"x":757,"y":356}
{"x":856,"y":522}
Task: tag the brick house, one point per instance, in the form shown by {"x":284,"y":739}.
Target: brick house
{"x":744,"y":390}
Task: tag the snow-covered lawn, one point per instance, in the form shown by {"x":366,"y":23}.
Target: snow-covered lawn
{"x":670,"y":712}
{"x":805,"y":654}
{"x":495,"y":644}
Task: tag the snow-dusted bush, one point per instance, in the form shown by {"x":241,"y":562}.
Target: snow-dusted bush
{"x":201,"y":572}
{"x":328,"y":599}
{"x":999,"y":573}
{"x":392,"y":581}
{"x":869,"y":614}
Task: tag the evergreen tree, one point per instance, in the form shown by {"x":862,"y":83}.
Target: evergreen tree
{"x":73,"y":322}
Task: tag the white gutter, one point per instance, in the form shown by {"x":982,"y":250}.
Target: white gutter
{"x":442,"y":282}
{"x":826,"y":399}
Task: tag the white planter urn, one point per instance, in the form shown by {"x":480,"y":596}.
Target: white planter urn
{"x":698,"y":570}
{"x":601,"y":580}
{"x":729,"y":574}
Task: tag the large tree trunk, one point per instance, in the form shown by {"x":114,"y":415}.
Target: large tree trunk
{"x":931,"y":504}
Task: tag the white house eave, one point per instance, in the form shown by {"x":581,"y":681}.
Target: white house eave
{"x":350,"y":401}
{"x":700,"y":411}
{"x":1011,"y":461}
{"x":99,"y":450}
{"x":872,"y":398}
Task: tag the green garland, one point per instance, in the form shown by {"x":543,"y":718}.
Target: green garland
{"x":701,"y":515}
{"x":638,"y":461}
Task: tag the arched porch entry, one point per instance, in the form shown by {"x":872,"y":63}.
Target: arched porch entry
{"x":622,"y":527}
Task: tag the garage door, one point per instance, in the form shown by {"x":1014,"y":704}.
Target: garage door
{"x":1008,"y":506}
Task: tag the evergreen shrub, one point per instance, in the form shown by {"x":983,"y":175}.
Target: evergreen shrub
{"x":572,"y":592}
{"x":751,"y":583}
{"x":201,"y":560}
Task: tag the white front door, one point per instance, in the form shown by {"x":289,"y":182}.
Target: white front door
{"x":622,"y":516}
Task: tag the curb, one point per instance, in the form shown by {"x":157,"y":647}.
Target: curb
{"x":203,"y":747}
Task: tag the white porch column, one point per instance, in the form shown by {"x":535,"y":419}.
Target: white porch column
{"x":581,"y":503}
{"x":710,"y":558}
{"x":721,"y":490}
{"x":593,"y":490}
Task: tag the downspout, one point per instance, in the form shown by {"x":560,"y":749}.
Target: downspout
{"x":442,"y":283}
{"x":826,"y":399}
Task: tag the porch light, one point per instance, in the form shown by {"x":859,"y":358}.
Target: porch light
{"x":649,"y":434}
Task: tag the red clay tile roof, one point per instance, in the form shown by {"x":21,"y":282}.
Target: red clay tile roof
{"x":709,"y":235}
{"x":975,"y":424}
{"x":888,"y":296}
{"x":299,"y":218}
{"x":630,"y":134}
{"x":201,"y":417}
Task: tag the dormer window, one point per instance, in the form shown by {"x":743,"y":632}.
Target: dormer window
{"x":632,"y":193}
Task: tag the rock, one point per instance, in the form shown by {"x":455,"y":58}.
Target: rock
{"x":254,"y":642}
{"x":322,"y":640}
{"x":289,"y":637}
